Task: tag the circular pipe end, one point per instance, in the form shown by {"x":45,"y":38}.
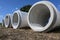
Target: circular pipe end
{"x":7,"y":20}
{"x":41,"y":16}
{"x":16,"y":19}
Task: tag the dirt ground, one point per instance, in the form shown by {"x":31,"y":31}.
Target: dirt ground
{"x":27,"y":34}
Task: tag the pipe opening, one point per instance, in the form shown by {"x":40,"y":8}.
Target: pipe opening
{"x":7,"y":20}
{"x":15,"y":19}
{"x":39,"y":15}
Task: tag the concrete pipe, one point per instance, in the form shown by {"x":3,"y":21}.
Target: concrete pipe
{"x":3,"y":23}
{"x":7,"y":21}
{"x":43,"y":16}
{"x":19,"y":19}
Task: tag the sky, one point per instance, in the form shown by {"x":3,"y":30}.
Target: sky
{"x":9,"y":6}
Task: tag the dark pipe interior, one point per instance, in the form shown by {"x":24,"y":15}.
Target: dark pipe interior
{"x":7,"y":20}
{"x":15,"y":19}
{"x":39,"y":15}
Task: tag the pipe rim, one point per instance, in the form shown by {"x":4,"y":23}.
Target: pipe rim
{"x":19,"y":19}
{"x":50,"y":20}
{"x":7,"y":25}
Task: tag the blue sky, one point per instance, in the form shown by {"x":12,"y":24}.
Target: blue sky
{"x":9,"y":6}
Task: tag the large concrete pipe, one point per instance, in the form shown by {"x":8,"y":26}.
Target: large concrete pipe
{"x":7,"y":21}
{"x":43,"y":16}
{"x":19,"y":19}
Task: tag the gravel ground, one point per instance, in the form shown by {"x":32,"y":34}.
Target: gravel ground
{"x":23,"y":34}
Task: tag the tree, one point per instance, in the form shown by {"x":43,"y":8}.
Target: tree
{"x":26,"y":8}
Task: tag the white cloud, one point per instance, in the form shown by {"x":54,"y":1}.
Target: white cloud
{"x":16,"y":8}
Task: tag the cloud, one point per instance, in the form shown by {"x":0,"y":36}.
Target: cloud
{"x":16,"y":8}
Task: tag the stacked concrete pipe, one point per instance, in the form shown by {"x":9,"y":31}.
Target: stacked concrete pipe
{"x":7,"y":20}
{"x":43,"y":16}
{"x":19,"y":19}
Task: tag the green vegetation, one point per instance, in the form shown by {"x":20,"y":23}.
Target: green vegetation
{"x":25,"y":8}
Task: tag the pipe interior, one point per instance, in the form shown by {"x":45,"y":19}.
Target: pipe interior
{"x":2,"y":22}
{"x":15,"y":19}
{"x":39,"y":15}
{"x":7,"y":20}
